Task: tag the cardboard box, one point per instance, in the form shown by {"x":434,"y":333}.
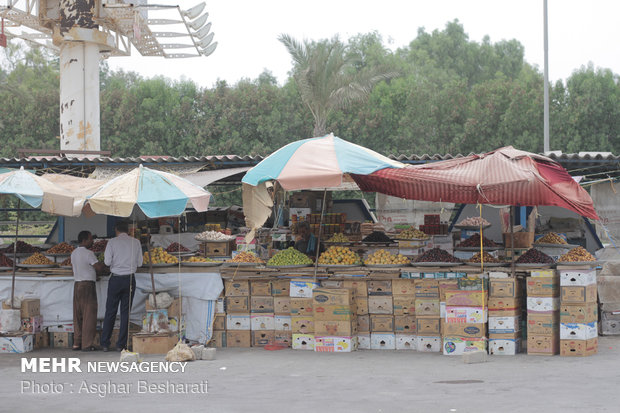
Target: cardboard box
{"x":236,"y":288}
{"x":578,"y":313}
{"x":331,"y":284}
{"x":332,"y":296}
{"x":543,"y":286}
{"x":428,"y":289}
{"x":173,"y":309}
{"x":42,"y":340}
{"x":30,"y":307}
{"x":429,"y":344}
{"x":359,"y":287}
{"x":410,"y":274}
{"x":262,"y":322}
{"x":460,"y":298}
{"x":503,"y":325}
{"x":578,"y":348}
{"x":610,"y":327}
{"x":218,"y":339}
{"x":505,"y":336}
{"x":283,"y":322}
{"x":542,"y":304}
{"x":238,"y":321}
{"x":260,"y":288}
{"x":473,"y":283}
{"x":283,"y":338}
{"x":303,"y":325}
{"x":363,"y":341}
{"x":382,"y":341}
{"x":442,"y":310}
{"x":428,"y":326}
{"x":302,"y":288}
{"x":542,"y":273}
{"x":547,"y":345}
{"x":361,"y":306}
{"x":406,"y":342}
{"x":447,"y":285}
{"x":504,"y":306}
{"x":335,"y":328}
{"x":380,"y":304}
{"x":23,"y":343}
{"x":578,"y":294}
{"x":463,"y":329}
{"x":282,"y":305}
{"x":380,"y":287}
{"x":505,"y":287}
{"x":405,"y":324}
{"x":154,"y":343}
{"x":578,"y":331}
{"x":404,"y":305}
{"x":543,"y":324}
{"x":473,"y":315}
{"x":363,"y":323}
{"x":381,"y":323}
{"x":219,"y":322}
{"x":303,"y":341}
{"x":577,"y":278}
{"x":301,"y":307}
{"x":504,"y":347}
{"x":280,"y":288}
{"x":403,"y":286}
{"x":261,"y":305}
{"x":32,"y":324}
{"x":333,"y":312}
{"x":61,"y":340}
{"x":240,"y":304}
{"x":457,"y":346}
{"x":427,"y":307}
{"x":217,"y":249}
{"x":330,"y":344}
{"x":238,"y":338}
{"x":220,"y":305}
{"x":262,"y":338}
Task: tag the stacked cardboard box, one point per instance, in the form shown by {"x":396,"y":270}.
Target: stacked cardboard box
{"x":543,"y":304}
{"x":466,"y":316}
{"x":609,"y":297}
{"x":504,"y":314}
{"x":381,"y":310}
{"x":335,"y":324}
{"x":302,"y":319}
{"x":578,"y":312}
{"x":405,"y":325}
{"x":360,"y":295}
{"x":238,"y":321}
{"x":428,"y":315}
{"x":262,"y":313}
{"x":283,"y":321}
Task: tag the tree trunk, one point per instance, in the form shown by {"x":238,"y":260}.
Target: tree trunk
{"x":320,"y":127}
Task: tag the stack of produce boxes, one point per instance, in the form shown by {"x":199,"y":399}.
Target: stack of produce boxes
{"x":282,"y":309}
{"x":543,"y":313}
{"x":405,"y":325}
{"x":466,"y":316}
{"x":302,"y":315}
{"x":237,"y":304}
{"x":578,"y":312}
{"x":504,"y":314}
{"x":262,"y":316}
{"x":335,"y":324}
{"x":381,"y":310}
{"x":428,"y":315}
{"x":360,"y":293}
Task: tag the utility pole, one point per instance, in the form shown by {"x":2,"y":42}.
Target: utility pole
{"x":546,"y":114}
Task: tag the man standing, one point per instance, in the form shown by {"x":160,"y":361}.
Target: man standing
{"x":85,"y":267}
{"x":123,"y":255}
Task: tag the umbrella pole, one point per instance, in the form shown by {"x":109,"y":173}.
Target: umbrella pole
{"x":318,"y":241}
{"x":15,"y":254}
{"x":148,"y":248}
{"x":512,"y":240}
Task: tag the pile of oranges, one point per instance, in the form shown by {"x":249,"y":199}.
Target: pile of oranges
{"x":339,"y":256}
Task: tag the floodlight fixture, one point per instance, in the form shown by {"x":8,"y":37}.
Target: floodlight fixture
{"x":203,"y":31}
{"x":205,"y":42}
{"x":199,"y":22}
{"x":194,"y":11}
{"x":209,"y":50}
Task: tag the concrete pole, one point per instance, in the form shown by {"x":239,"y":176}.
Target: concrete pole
{"x":546,"y":97}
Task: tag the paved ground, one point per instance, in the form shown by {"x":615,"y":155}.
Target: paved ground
{"x":243,"y":380}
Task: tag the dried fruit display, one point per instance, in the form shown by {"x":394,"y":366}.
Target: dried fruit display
{"x":338,"y":237}
{"x":199,"y":259}
{"x":474,"y":241}
{"x":339,"y":256}
{"x":412,"y":233}
{"x":176,"y":247}
{"x":22,"y":248}
{"x":66,"y":262}
{"x":473,"y":222}
{"x":159,"y":257}
{"x":551,"y":238}
{"x":99,"y":246}
{"x":38,"y":259}
{"x":5,"y":261}
{"x":377,"y":236}
{"x":383,"y":257}
{"x":486,"y":256}
{"x":289,"y":256}
{"x":579,"y":254}
{"x":534,"y":256}
{"x":62,"y":248}
{"x":436,"y":255}
{"x":247,"y":257}
{"x":213,"y":236}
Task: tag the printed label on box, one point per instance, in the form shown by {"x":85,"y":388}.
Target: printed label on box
{"x":578,"y":331}
{"x":473,"y":315}
{"x":543,"y":304}
{"x":17,"y":344}
{"x":262,"y":322}
{"x":238,"y":322}
{"x":303,"y":325}
{"x":301,"y":307}
{"x":335,"y":344}
{"x":503,"y":325}
{"x":577,"y":278}
{"x":456,"y":346}
{"x":504,"y":347}
{"x":381,"y":341}
{"x":404,"y":305}
{"x":302,"y":288}
{"x":303,"y":341}
{"x":544,"y":324}
{"x":460,"y":298}
{"x":463,"y":329}
{"x":283,"y":323}
{"x":578,"y":313}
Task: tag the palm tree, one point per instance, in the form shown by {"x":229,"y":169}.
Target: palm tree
{"x":327,"y":77}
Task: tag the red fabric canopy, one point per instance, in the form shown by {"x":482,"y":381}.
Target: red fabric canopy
{"x":506,"y":176}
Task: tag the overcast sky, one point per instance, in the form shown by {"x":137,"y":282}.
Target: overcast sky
{"x":247,"y":31}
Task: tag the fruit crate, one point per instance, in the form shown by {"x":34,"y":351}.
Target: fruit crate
{"x":217,"y":249}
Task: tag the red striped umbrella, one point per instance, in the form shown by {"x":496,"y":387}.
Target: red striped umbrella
{"x":506,"y":176}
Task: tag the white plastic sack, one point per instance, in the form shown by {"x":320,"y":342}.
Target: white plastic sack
{"x":164,"y":300}
{"x":180,"y":352}
{"x":10,"y":320}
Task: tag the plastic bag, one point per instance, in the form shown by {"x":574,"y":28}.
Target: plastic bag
{"x":180,"y":352}
{"x":164,"y":300}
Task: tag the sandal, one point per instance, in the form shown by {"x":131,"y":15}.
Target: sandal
{"x":76,"y":348}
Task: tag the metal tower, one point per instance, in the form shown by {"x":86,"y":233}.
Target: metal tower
{"x":84,"y":31}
